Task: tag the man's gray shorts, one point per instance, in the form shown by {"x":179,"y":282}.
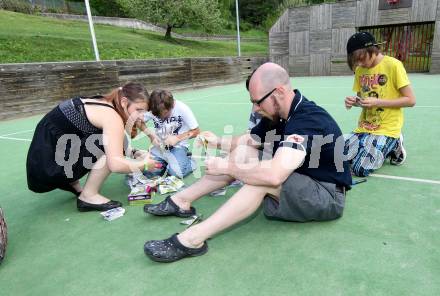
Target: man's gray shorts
{"x":304,"y":199}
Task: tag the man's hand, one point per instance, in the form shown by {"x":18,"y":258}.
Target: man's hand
{"x":216,"y":166}
{"x":211,"y":140}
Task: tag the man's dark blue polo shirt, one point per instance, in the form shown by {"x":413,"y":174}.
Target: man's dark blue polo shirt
{"x":323,"y":140}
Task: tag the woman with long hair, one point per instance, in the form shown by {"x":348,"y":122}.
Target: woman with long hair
{"x":86,"y":135}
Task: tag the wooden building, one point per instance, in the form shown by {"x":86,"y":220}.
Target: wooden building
{"x":311,"y":40}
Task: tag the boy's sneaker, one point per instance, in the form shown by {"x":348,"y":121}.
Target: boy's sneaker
{"x":398,"y":155}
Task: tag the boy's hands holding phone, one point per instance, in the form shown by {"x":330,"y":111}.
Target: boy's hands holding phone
{"x":352,"y":101}
{"x":356,"y":101}
{"x":369,"y":102}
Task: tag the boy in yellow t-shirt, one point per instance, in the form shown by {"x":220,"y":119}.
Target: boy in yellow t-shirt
{"x":383,"y":89}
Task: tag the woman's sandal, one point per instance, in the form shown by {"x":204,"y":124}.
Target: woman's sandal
{"x":83,"y":206}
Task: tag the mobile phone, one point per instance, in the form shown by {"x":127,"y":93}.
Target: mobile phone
{"x":358,"y":101}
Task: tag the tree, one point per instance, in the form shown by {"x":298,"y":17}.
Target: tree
{"x":226,"y":7}
{"x":176,"y":13}
{"x":106,"y":7}
{"x":255,"y":11}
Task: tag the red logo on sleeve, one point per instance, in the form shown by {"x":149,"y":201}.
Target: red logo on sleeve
{"x":295,"y":139}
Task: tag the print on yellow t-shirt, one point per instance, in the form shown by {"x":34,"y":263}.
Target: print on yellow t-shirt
{"x":383,"y":81}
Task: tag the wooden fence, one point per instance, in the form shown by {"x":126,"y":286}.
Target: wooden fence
{"x":27,"y":89}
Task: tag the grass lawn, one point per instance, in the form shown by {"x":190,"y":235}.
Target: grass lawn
{"x":199,"y":31}
{"x":29,"y":38}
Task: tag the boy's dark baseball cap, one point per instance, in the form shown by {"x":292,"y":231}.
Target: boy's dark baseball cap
{"x":360,"y":40}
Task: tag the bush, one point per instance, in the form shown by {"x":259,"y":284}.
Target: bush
{"x":270,"y":21}
{"x":107,"y":8}
{"x":50,"y":10}
{"x":24,"y":6}
{"x":245,"y":26}
{"x":17,"y":6}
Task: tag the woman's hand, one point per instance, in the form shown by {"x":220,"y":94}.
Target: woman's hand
{"x":140,"y":154}
{"x":151,"y":164}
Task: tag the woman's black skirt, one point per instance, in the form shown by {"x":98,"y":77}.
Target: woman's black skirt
{"x":50,"y":167}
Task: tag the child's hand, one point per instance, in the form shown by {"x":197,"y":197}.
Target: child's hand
{"x":154,"y":140}
{"x":369,"y":102}
{"x":350,"y":102}
{"x":171,"y":141}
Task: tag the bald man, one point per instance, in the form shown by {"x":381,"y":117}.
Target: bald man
{"x":294,"y":166}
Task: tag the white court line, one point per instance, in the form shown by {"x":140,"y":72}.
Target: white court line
{"x":207,"y":96}
{"x":226,"y":103}
{"x":426,"y":106}
{"x":248,"y":103}
{"x":201,"y":157}
{"x":16,"y":133}
{"x":406,"y":179}
{"x":372,"y":175}
{"x":14,"y":139}
{"x":338,"y":87}
{"x":412,"y":107}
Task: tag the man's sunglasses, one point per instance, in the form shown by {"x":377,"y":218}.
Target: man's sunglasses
{"x":260,"y":101}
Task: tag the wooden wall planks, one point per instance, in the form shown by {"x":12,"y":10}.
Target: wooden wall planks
{"x":319,"y":33}
{"x":27,"y":89}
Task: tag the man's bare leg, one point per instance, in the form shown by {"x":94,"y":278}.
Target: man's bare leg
{"x":205,"y":185}
{"x":209,"y":183}
{"x":242,"y":204}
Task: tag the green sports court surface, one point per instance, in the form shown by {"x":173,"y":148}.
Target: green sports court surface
{"x":387,"y":242}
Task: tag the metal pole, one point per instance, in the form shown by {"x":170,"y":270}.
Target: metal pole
{"x":238,"y":28}
{"x":92,"y":31}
